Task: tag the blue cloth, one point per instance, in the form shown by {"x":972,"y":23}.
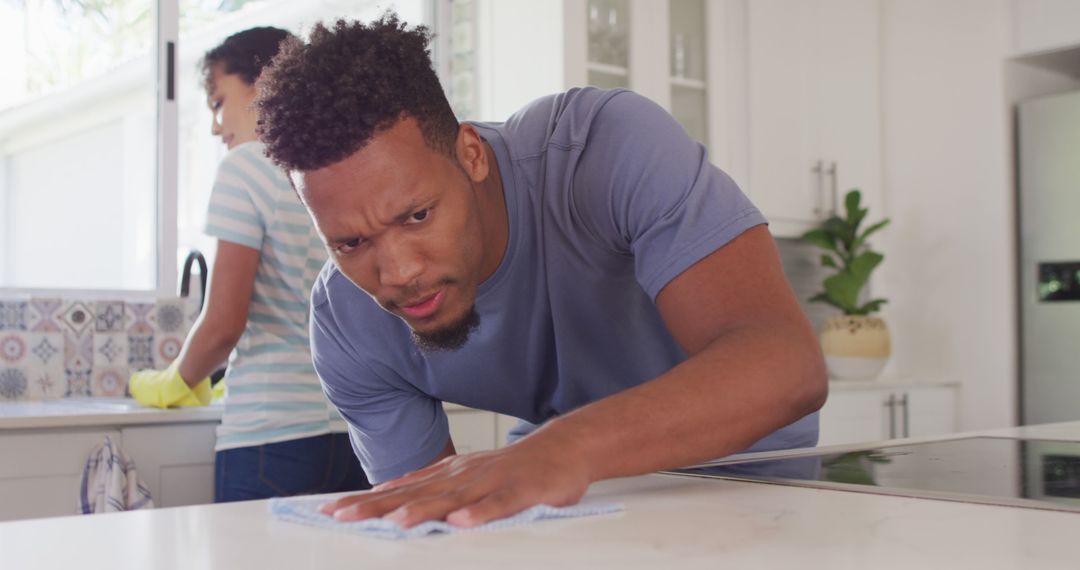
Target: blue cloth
{"x":307,"y":466}
{"x":306,"y":511}
{"x":608,"y":199}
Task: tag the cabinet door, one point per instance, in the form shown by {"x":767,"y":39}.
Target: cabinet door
{"x":42,"y":470}
{"x":931,"y":410}
{"x":472,"y":430}
{"x":853,"y":416}
{"x":848,"y":100}
{"x":782,"y":107}
{"x":813,"y":107}
{"x":175,"y":461}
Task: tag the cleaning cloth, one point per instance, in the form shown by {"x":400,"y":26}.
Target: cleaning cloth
{"x":305,"y":510}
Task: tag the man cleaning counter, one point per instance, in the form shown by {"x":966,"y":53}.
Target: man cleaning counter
{"x":682,"y":522}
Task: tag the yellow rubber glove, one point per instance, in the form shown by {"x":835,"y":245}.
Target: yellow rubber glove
{"x":218,"y":391}
{"x":167,"y":389}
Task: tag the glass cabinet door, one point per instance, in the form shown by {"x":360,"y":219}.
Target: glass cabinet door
{"x":608,"y":54}
{"x":687,"y":55}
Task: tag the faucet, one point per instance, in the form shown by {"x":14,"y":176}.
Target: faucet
{"x":185,"y":277}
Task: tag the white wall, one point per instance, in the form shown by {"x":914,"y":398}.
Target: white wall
{"x":949,"y":270}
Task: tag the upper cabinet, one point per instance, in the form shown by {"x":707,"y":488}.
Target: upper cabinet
{"x":813,"y":107}
{"x":1046,"y":25}
{"x":783,"y":93}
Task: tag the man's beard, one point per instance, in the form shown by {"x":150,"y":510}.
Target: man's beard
{"x":451,"y":337}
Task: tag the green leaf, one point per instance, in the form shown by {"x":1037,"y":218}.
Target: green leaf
{"x":842,"y":291}
{"x":851,"y":204}
{"x":872,"y":306}
{"x":828,"y":261}
{"x":839,"y":227}
{"x":871,"y":230}
{"x":820,"y":238}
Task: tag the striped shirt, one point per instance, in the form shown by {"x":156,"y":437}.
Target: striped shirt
{"x":273,"y":392}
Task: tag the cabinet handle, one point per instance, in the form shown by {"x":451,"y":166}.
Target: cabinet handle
{"x":833,"y":187}
{"x":904,"y":405}
{"x":819,"y":206}
{"x":891,"y":404}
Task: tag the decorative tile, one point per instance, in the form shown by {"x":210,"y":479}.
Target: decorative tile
{"x":109,"y":316}
{"x":109,"y":382}
{"x":44,"y":314}
{"x":78,"y":383}
{"x":166,"y":349}
{"x":140,"y":319}
{"x":77,"y":317}
{"x":13,"y":349}
{"x":46,"y":348}
{"x":13,"y":315}
{"x":48,"y":384}
{"x":170,"y":316}
{"x":110,"y":350}
{"x":140,"y":352}
{"x":45,"y":365}
{"x":78,"y":351}
{"x":14,"y":384}
{"x":192,"y":310}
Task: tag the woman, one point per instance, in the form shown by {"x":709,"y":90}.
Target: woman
{"x":278,"y":435}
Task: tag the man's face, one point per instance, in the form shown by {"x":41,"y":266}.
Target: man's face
{"x":402,"y":222}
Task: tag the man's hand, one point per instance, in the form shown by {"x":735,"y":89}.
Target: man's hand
{"x":470,"y":490}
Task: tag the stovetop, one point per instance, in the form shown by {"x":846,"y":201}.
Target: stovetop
{"x":1034,"y":473}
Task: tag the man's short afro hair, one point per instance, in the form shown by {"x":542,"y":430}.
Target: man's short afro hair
{"x":322,"y":101}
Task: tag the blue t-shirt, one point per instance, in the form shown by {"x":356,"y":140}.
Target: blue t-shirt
{"x":608,"y":200}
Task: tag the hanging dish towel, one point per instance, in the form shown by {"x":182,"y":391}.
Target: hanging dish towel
{"x":110,"y":484}
{"x":305,"y":510}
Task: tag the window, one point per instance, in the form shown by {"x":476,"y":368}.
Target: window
{"x":79,"y":133}
{"x":77,"y":144}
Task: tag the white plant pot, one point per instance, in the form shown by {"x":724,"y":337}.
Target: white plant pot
{"x":856,"y":347}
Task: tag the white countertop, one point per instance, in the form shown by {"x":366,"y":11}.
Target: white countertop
{"x":669,"y":521}
{"x":83,"y":412}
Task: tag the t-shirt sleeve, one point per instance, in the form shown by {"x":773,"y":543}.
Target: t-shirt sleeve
{"x":241,"y":201}
{"x":648,"y":190}
{"x":394,"y":428}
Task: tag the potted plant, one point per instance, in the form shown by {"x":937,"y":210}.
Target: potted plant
{"x":856,"y":344}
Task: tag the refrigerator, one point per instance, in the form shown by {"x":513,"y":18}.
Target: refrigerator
{"x":1048,"y":202}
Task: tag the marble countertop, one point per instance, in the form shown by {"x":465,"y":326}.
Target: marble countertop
{"x":668,"y":521}
{"x":84,"y":412}
{"x":87,"y":412}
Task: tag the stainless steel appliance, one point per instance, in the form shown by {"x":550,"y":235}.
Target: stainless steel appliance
{"x":1035,"y":473}
{"x":1049,"y":258}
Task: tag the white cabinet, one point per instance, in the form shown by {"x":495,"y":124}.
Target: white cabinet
{"x":1046,"y":25}
{"x":42,"y":479}
{"x":861,"y":414}
{"x":477,"y":430}
{"x":518,"y":50}
{"x":175,"y":461}
{"x":813,"y":107}
{"x":42,"y":469}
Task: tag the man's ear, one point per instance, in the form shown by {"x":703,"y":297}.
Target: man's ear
{"x":471,"y":153}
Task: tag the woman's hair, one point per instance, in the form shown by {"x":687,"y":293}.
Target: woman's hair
{"x":244,"y":54}
{"x":324,"y":100}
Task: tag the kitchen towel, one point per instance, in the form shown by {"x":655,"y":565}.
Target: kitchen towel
{"x":109,"y":483}
{"x":305,"y":510}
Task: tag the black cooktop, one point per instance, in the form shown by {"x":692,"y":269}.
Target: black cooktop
{"x":1033,"y":473}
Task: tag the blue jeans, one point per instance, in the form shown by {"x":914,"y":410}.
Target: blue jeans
{"x":320,"y":464}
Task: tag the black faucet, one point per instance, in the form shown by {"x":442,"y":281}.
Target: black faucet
{"x":185,"y":276}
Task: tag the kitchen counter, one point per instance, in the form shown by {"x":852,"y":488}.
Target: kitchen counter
{"x":88,"y":412}
{"x":668,"y":520}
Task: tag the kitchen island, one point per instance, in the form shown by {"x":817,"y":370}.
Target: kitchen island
{"x":669,"y":521}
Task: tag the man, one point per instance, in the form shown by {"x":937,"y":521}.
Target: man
{"x":581,"y":266}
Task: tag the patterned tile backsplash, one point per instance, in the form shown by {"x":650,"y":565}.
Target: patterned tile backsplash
{"x":61,"y":348}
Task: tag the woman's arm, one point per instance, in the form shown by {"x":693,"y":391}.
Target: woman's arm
{"x":224,"y":314}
